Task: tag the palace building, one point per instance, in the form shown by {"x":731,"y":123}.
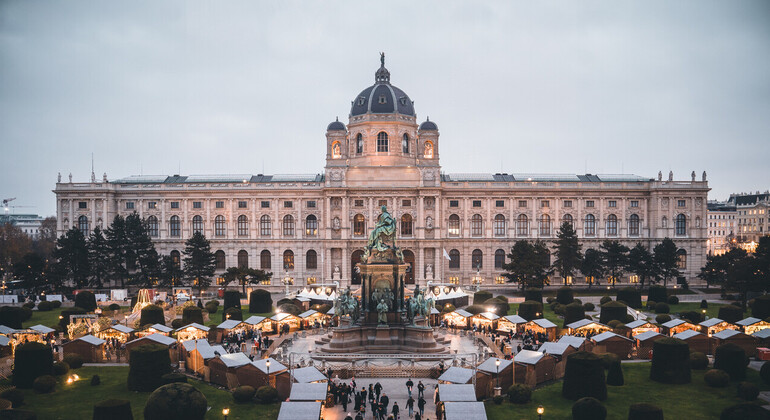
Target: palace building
{"x":313,"y":228}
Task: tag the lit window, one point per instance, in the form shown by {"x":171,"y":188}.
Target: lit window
{"x":359,"y":225}
{"x":311,"y":225}
{"x":405,"y":144}
{"x":681,"y":259}
{"x":152,"y":205}
{"x":454,"y":225}
{"x":288,"y":260}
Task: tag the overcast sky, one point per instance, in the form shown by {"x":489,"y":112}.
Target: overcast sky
{"x":241,"y":87}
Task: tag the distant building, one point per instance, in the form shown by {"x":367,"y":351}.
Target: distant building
{"x":722,"y":227}
{"x":753,"y":215}
{"x":28,"y":223}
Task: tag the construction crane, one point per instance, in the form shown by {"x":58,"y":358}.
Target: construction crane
{"x":5,"y":203}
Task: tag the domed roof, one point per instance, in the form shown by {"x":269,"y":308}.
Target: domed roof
{"x":336,"y":125}
{"x":428,"y":125}
{"x":382,"y":97}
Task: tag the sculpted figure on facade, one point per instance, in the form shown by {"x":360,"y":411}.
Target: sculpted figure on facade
{"x":336,"y":223}
{"x":693,"y":176}
{"x":70,"y":177}
{"x":428,"y":223}
{"x":429,"y":271}
{"x":704,"y":176}
{"x":58,"y":178}
{"x":382,"y":312}
{"x":383,"y":239}
{"x":670,"y":175}
{"x":660,"y":176}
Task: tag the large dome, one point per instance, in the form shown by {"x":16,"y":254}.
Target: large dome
{"x":382,"y":97}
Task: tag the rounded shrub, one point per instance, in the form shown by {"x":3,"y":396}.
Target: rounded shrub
{"x":533,"y":293}
{"x":550,"y":299}
{"x":171,"y":378}
{"x":447,"y":308}
{"x":578,"y":301}
{"x":612,"y":310}
{"x":673,"y":300}
{"x":152,"y":314}
{"x":614,"y":324}
{"x":44,"y":384}
{"x":65,"y":319}
{"x":56,"y":304}
{"x":519,"y":394}
{"x":15,"y":396}
{"x":192,"y":314}
{"x":644,"y":411}
{"x":670,"y":361}
{"x":177,"y":323}
{"x":96,"y":380}
{"x":232,"y":299}
{"x":744,"y":411}
{"x":662,"y":318}
{"x":266,"y":394}
{"x":147,"y":365}
{"x":588,"y":306}
{"x":565,"y":295}
{"x":632,"y":296}
{"x":730,"y":313}
{"x":32,"y":361}
{"x":500,"y":307}
{"x":657,"y":293}
{"x":529,"y":310}
{"x":605,"y":299}
{"x":176,"y":401}
{"x":86,"y":300}
{"x":481,"y":296}
{"x":74,"y":361}
{"x":764,"y":373}
{"x":748,"y":391}
{"x":44,"y":306}
{"x":608,"y":359}
{"x":475,"y":309}
{"x":212,"y":309}
{"x":692,"y":316}
{"x":114,"y":307}
{"x":60,"y":368}
{"x":698,"y":360}
{"x":731,"y":359}
{"x":215,"y":302}
{"x":573,"y":312}
{"x":11,"y":316}
{"x":244,"y":394}
{"x":651,"y":304}
{"x":716,"y":378}
{"x":704,"y":304}
{"x":28,"y":305}
{"x":113,"y":409}
{"x":662,"y":308}
{"x":760,"y":308}
{"x":26,"y":313}
{"x":558,"y":309}
{"x":497,"y":399}
{"x":285,"y":301}
{"x":615,"y":374}
{"x":584,"y":377}
{"x":588,"y":408}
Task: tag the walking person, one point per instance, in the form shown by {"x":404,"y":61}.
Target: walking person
{"x":410,"y":406}
{"x":377,"y":390}
{"x":371,"y":392}
{"x":384,"y":400}
{"x":420,"y":389}
{"x":395,"y":410}
{"x":421,"y":406}
{"x":409,"y":385}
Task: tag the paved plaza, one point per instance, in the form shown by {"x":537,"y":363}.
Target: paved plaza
{"x":395,"y":389}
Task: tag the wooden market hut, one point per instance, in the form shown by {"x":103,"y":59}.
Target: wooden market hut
{"x":283,"y":318}
{"x":261,"y":323}
{"x":644,"y":342}
{"x":559,"y":352}
{"x":118,"y":331}
{"x":154,"y":329}
{"x":229,"y":326}
{"x":487,"y":376}
{"x":464,"y":410}
{"x":532,"y":368}
{"x":47,"y":332}
{"x":609,"y":342}
{"x":90,"y":348}
{"x":300,"y":410}
{"x":456,"y":375}
{"x":222,"y":369}
{"x":751,"y":325}
{"x":309,"y":392}
{"x":6,"y":348}
{"x":453,"y":393}
{"x":697,"y":341}
{"x":192,"y":331}
{"x":198,"y":353}
{"x":485,"y":320}
{"x":676,"y":326}
{"x":309,"y":318}
{"x":762,"y":338}
{"x":459,"y":318}
{"x":744,"y":341}
{"x":715,"y":325}
{"x":510,"y":323}
{"x":639,"y":326}
{"x":26,"y":335}
{"x":435,"y":316}
{"x":586,"y":328}
{"x":255,"y":374}
{"x":307,"y":375}
{"x":542,"y":326}
{"x":157,"y":338}
{"x":578,"y":343}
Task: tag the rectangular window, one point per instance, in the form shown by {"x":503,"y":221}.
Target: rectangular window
{"x":634,"y":203}
{"x":454,"y":203}
{"x":152,"y":205}
{"x":613,"y":203}
{"x":500,"y":203}
{"x":358,"y":203}
{"x":264,"y":204}
{"x":680,"y":203}
{"x":197,"y":205}
{"x":219,"y":204}
{"x":382,"y":203}
{"x":545,"y":204}
{"x":406,"y":203}
{"x":499,"y":280}
{"x":476,"y":203}
{"x":311,"y":204}
{"x":243,"y":204}
{"x":174,"y":204}
{"x":454,"y":280}
{"x":288,"y":204}
{"x":522,"y":203}
{"x":82,"y":204}
{"x":568,"y":203}
{"x":590,"y":203}
{"x":129,"y":205}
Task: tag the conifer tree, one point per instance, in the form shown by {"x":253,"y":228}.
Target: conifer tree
{"x":199,"y":261}
{"x":567,"y":252}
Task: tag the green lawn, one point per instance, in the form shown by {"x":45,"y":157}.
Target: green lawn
{"x":48,"y":318}
{"x":712,"y":311}
{"x":76,"y":401}
{"x":690,"y":401}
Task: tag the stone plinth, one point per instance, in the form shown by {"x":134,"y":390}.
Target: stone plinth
{"x":383,"y":339}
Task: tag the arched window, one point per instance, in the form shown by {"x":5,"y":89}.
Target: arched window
{"x":522,"y":225}
{"x":499,"y":226}
{"x":288,"y":260}
{"x":311,"y":260}
{"x":265,"y":226}
{"x":219,"y":257}
{"x":382,"y":142}
{"x":406,"y":225}
{"x":545,"y":225}
{"x":197,"y":224}
{"x":176,"y":259}
{"x":336,"y":151}
{"x":264,"y":260}
{"x":83,"y":225}
{"x":681,"y":225}
{"x":589,"y":226}
{"x":681,"y":259}
{"x":454,"y":225}
{"x":454,"y":259}
{"x":220,"y":228}
{"x":477,"y":225}
{"x":477,"y":259}
{"x":243,"y":225}
{"x":405,"y":144}
{"x":152,"y":226}
{"x":567,"y":219}
{"x":311,"y":225}
{"x":633,"y":225}
{"x":664,"y":222}
{"x":359,"y":225}
{"x":174,"y":227}
{"x":499,"y":258}
{"x":359,"y":144}
{"x":428,"y":150}
{"x":612,"y":225}
{"x":288,"y":225}
{"x":243,"y":259}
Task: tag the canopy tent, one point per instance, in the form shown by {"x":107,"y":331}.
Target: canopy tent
{"x":319,"y":293}
{"x":715,"y":325}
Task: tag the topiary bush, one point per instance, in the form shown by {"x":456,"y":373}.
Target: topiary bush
{"x":114,"y":307}
{"x":11,"y":316}
{"x":56,"y":304}
{"x":644,"y":411}
{"x":662,"y":308}
{"x":573,"y":312}
{"x":212,"y":309}
{"x":60,"y":368}
{"x":176,"y":401}
{"x":716,"y":378}
{"x":578,"y":301}
{"x":15,"y":396}
{"x":605,"y":299}
{"x":550,"y":299}
{"x":448,"y":308}
{"x":692,"y":316}
{"x":26,"y":313}
{"x":28,"y":305}
{"x":86,"y":300}
{"x":519,"y":394}
{"x":177,"y":323}
{"x":662,"y":318}
{"x":192,"y":314}
{"x":533,"y":293}
{"x":565,"y":295}
{"x":588,"y":306}
{"x":244,"y":394}
{"x":44,"y":384}
{"x":44,"y":306}
{"x":744,"y":411}
{"x":499,"y":307}
{"x":588,"y":408}
{"x":475,"y":309}
{"x":764,"y":373}
{"x":75,"y":361}
{"x":651,"y":304}
{"x":172,"y":377}
{"x":147,"y":365}
{"x":232,"y":299}
{"x":673,"y":300}
{"x":670,"y":361}
{"x":760,"y":308}
{"x":113,"y":409}
{"x":657,"y":294}
{"x":698,"y":360}
{"x":612,"y":310}
{"x":731,"y":359}
{"x":730,"y":313}
{"x":266,"y":394}
{"x":748,"y":391}
{"x":584,"y":377}
{"x":615,"y":374}
{"x":632,"y":297}
{"x":529,"y":310}
{"x":497,"y":399}
{"x":558,"y":309}
{"x":704,"y":304}
{"x":96,"y":380}
{"x":608,"y":359}
{"x":152,"y":314}
{"x":481,"y":296}
{"x":32,"y":361}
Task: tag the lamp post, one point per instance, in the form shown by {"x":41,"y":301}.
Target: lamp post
{"x":267,"y":364}
{"x":498,"y":391}
{"x":125,"y":317}
{"x":540,"y":411}
{"x":225,"y":412}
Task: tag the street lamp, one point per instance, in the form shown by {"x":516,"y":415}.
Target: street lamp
{"x":125,"y":317}
{"x":225,"y":412}
{"x":267,"y":364}
{"x":540,"y":411}
{"x":497,"y":377}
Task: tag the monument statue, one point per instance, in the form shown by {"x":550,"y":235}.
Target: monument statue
{"x":346,"y":304}
{"x":382,"y":241}
{"x":382,"y":312}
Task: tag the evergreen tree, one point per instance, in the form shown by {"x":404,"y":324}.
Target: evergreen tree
{"x":71,"y":256}
{"x":245,"y":275}
{"x":615,"y":259}
{"x":141,"y":252}
{"x":744,"y":273}
{"x":32,"y":271}
{"x":567,"y":252}
{"x":665,"y":258}
{"x":715,"y":270}
{"x":592,"y":266}
{"x":170,"y":272}
{"x":117,"y":243}
{"x":529,"y":264}
{"x":99,"y":260}
{"x":199,"y":262}
{"x":640,"y":263}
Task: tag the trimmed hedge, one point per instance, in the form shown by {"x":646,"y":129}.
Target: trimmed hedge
{"x":589,"y":306}
{"x":32,"y":361}
{"x":44,"y":384}
{"x":192,"y":314}
{"x":662,"y":308}
{"x":15,"y":396}
{"x":260,"y":301}
{"x":177,"y":323}
{"x":96,"y":380}
{"x":113,"y":409}
{"x":60,"y":368}
{"x":114,"y":307}
{"x":670,"y":361}
{"x":481,"y":296}
{"x":11,"y":316}
{"x":657,"y":294}
{"x":613,"y":310}
{"x":177,"y":401}
{"x":44,"y":306}
{"x":644,"y":411}
{"x":744,"y":411}
{"x":698,"y":361}
{"x":692,"y":316}
{"x":730,"y":313}
{"x":171,"y":378}
{"x":588,"y":409}
{"x":147,"y":365}
{"x":605,"y":299}
{"x":584,"y":377}
{"x":673,"y":300}
{"x":731,"y":359}
{"x":662,"y":318}
{"x":565,"y":295}
{"x":632,"y":297}
{"x":236,"y":313}
{"x":533,"y":293}
{"x":266,"y":394}
{"x":573,"y":312}
{"x":447,"y":308}
{"x":761,"y":307}
{"x":475,"y":309}
{"x":748,"y":391}
{"x":74,"y":360}
{"x":615,"y":374}
{"x":764,"y":373}
{"x":716,"y":378}
{"x":519,"y":394}
{"x":86,"y":300}
{"x":244,"y":394}
{"x":704,"y":304}
{"x":232,"y":299}
{"x":152,"y":314}
{"x":65,"y":320}
{"x":529,"y":310}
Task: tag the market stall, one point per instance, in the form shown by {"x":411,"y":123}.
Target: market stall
{"x":90,"y":348}
{"x":586,"y":328}
{"x":559,"y":353}
{"x":697,"y":341}
{"x":223,"y":369}
{"x":456,"y":375}
{"x":459,"y":318}
{"x":542,"y":326}
{"x":117,"y":331}
{"x":486,"y":321}
{"x":154,"y":329}
{"x":156,"y":338}
{"x":676,"y":326}
{"x":609,"y":342}
{"x":715,"y":325}
{"x":533,"y":368}
{"x":751,"y":325}
{"x":260,"y":371}
{"x":309,"y":392}
{"x":639,"y":326}
{"x":300,"y":410}
{"x":192,"y":331}
{"x":309,"y":374}
{"x":261,"y":323}
{"x":310,"y":317}
{"x":199,"y":353}
{"x":488,"y":373}
{"x":510,"y":323}
{"x":454,"y":393}
{"x":744,"y":341}
{"x":644,"y":343}
{"x":283,"y":318}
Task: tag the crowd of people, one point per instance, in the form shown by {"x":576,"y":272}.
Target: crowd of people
{"x":378,"y":401}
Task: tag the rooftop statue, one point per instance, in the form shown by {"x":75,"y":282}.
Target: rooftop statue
{"x":382,"y":241}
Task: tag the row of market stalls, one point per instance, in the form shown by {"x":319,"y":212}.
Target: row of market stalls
{"x":11,"y":337}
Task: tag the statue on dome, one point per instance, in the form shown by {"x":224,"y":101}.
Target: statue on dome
{"x":382,"y":58}
{"x":384,"y":232}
